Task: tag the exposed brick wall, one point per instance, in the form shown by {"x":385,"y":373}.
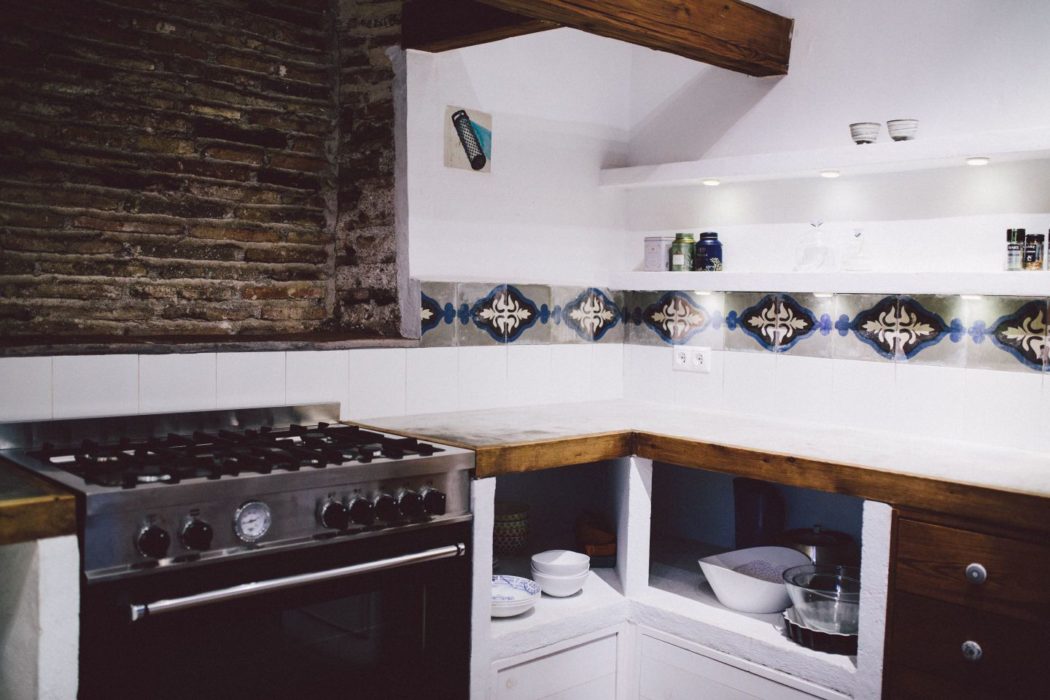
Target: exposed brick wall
{"x":181,"y":169}
{"x":365,"y":233}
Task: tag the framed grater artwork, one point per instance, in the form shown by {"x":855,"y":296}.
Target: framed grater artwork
{"x":468,"y":139}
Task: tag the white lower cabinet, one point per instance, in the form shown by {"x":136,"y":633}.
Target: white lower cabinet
{"x":675,"y":669}
{"x":584,"y":668}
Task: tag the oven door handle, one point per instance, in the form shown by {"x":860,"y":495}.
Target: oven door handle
{"x":140,"y":611}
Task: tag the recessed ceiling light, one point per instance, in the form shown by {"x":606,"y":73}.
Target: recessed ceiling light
{"x":978,"y":160}
{"x":702,"y":293}
{"x":712,"y":182}
{"x":830,"y":173}
{"x":971,"y":297}
{"x":823,"y":295}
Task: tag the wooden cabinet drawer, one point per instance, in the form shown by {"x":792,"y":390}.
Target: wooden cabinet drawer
{"x":904,"y":683}
{"x":928,"y":636}
{"x":932,"y":559}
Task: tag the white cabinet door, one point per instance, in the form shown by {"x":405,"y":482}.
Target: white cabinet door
{"x":668,"y":672}
{"x":583,"y":672}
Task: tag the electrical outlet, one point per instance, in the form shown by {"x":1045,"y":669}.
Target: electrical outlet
{"x":689,"y":359}
{"x":700,"y":360}
{"x":680,"y":358}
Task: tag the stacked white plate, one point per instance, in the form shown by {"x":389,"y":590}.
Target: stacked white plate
{"x":513,"y":595}
{"x":560,"y":572}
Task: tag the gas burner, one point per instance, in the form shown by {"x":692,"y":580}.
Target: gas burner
{"x":227,"y":452}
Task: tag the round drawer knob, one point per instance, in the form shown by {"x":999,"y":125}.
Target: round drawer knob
{"x":976,"y":573}
{"x":972,"y":651}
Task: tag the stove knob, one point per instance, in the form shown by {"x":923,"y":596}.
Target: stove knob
{"x":386,"y":507}
{"x":362,"y":512}
{"x":153,"y":541}
{"x":410,"y":503}
{"x":335,"y":515}
{"x":433,"y":501}
{"x":196,"y":534}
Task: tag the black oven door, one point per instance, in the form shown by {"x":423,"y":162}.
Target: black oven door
{"x":383,"y":617}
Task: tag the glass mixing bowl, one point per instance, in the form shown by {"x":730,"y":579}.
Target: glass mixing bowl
{"x":827,"y":598}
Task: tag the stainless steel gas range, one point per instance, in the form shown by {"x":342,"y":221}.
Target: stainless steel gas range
{"x":262,"y":552}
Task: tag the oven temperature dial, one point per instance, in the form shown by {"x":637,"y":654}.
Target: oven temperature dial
{"x":196,"y":534}
{"x":335,"y":515}
{"x":153,"y":541}
{"x":252,"y":521}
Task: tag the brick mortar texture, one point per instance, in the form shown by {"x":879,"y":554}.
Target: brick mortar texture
{"x":202,"y":168}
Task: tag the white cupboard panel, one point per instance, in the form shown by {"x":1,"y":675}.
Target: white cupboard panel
{"x":671,"y":673}
{"x":576,"y":670}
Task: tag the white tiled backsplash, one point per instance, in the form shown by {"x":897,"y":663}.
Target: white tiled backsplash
{"x":977,"y":405}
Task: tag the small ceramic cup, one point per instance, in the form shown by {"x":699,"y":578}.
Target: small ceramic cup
{"x":902,"y":129}
{"x":865,"y":132}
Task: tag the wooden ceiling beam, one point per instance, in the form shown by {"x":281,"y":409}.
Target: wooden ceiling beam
{"x":727,"y":33}
{"x":441,"y":25}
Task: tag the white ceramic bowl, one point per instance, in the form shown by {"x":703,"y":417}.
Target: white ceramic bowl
{"x":865,"y":132}
{"x":744,"y":591}
{"x":513,"y":595}
{"x":902,"y":129}
{"x":561,"y":562}
{"x":560,"y":586}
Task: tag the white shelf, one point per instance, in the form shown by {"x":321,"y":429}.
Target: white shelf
{"x":680,"y":602}
{"x":883,"y":157}
{"x":989,"y":283}
{"x":599,"y":605}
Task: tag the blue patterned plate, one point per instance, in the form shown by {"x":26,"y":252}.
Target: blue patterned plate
{"x":513,"y":595}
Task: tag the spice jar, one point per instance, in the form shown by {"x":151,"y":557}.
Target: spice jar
{"x":682,"y":252}
{"x":1015,"y":243}
{"x":1033,"y":252}
{"x":708,"y":255}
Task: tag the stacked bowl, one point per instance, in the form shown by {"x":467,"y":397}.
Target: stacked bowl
{"x":560,"y":572}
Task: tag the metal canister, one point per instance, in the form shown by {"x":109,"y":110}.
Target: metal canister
{"x":657,"y":253}
{"x":708,"y":256}
{"x":682,"y":252}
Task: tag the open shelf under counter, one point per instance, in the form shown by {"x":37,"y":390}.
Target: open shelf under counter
{"x":679,"y":601}
{"x":978,"y":283}
{"x":599,"y":605}
{"x":884,"y":157}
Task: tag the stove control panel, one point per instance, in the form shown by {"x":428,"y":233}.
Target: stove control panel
{"x":256,"y":518}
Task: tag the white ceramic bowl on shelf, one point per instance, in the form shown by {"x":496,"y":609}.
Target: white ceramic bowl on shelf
{"x":561,"y":562}
{"x":513,"y":595}
{"x":750,"y":580}
{"x":560,"y":586}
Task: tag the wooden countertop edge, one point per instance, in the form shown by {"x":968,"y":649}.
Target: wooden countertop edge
{"x":993,"y":506}
{"x":37,"y":517}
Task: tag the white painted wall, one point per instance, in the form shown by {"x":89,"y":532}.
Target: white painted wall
{"x":39,"y":612}
{"x":959,"y":66}
{"x":559,"y":106}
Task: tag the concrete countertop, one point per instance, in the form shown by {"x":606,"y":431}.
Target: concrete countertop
{"x":32,"y":509}
{"x":954,"y":477}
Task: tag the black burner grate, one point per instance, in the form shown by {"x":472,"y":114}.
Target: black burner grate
{"x":203,"y":455}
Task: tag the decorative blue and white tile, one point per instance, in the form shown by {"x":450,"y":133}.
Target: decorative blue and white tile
{"x":1008,"y":333}
{"x":586,"y":315}
{"x":931,"y":330}
{"x":438,"y":323}
{"x":745,"y":317}
{"x":679,"y":318}
{"x":469,"y":295}
{"x":635,"y":331}
{"x":505,"y":313}
{"x":865,"y":327}
{"x":809,"y":324}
